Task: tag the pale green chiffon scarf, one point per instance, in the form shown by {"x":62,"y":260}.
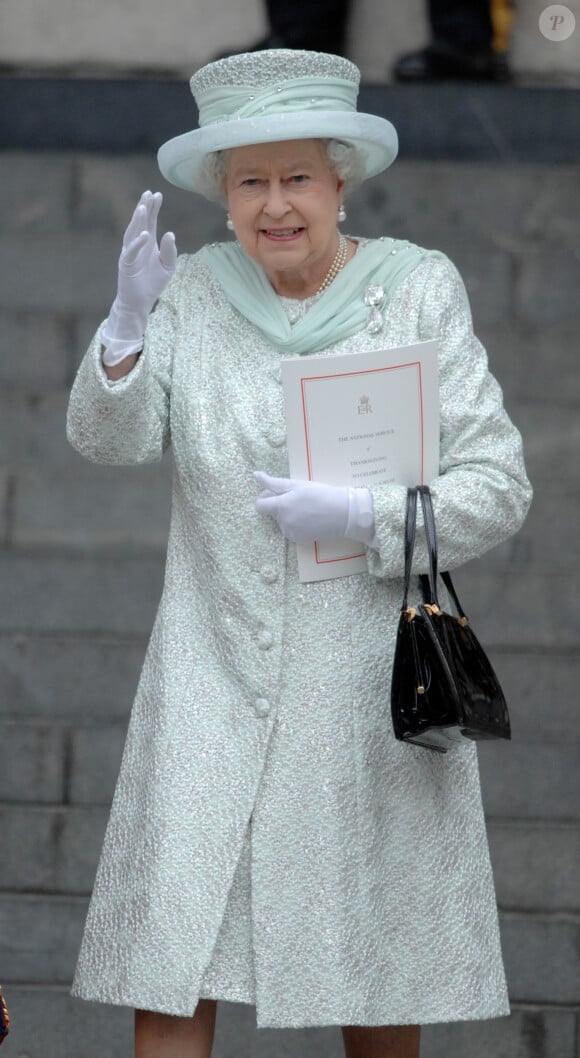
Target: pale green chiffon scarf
{"x":339,"y":312}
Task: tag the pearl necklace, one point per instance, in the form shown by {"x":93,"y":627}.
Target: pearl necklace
{"x":338,"y":263}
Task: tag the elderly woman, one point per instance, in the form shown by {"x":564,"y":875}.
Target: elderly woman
{"x":270,"y":841}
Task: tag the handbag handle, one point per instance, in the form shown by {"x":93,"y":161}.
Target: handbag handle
{"x":446,"y":578}
{"x":431,"y":537}
{"x":430,"y":582}
{"x":410,"y":525}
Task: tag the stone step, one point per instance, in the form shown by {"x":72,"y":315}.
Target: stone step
{"x":475,"y":121}
{"x":551,"y":435}
{"x":534,"y":364}
{"x":45,"y":350}
{"x":530,"y":780}
{"x":519,"y":208}
{"x":96,"y":507}
{"x":40,"y":937}
{"x":535,"y":864}
{"x":527,"y":610}
{"x":74,"y":679}
{"x":46,"y":1022}
{"x":32,"y":762}
{"x":83,"y":680}
{"x":118,"y":595}
{"x":49,"y":1023}
{"x":55,"y":850}
{"x":84,"y":279}
{"x":541,"y":692}
{"x":510,"y":207}
{"x":548,"y":539}
{"x":53,"y":763}
{"x":39,"y":421}
{"x":543,"y":292}
{"x":37,"y":350}
{"x":47,"y":762}
{"x":99,"y":594}
{"x":516,"y":250}
{"x":541,"y":957}
{"x":530,"y":1032}
{"x":51,"y":849}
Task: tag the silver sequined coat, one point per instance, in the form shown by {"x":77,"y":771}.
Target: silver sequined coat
{"x":270,"y":841}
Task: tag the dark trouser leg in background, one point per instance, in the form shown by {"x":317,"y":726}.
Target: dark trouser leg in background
{"x":316,"y":25}
{"x":461,"y":48}
{"x":465,"y":27}
{"x":319,"y":25}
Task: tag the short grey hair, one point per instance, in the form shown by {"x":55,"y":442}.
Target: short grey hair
{"x":347,"y":161}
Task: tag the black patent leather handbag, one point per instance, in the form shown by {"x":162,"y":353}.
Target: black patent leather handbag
{"x":443,"y":687}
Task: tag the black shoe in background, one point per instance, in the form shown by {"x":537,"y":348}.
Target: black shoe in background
{"x":439,"y":63}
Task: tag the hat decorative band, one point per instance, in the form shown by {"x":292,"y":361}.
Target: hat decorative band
{"x":273,"y":96}
{"x":227,"y":102}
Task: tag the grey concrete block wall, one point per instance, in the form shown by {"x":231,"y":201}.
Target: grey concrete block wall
{"x":81,"y":571}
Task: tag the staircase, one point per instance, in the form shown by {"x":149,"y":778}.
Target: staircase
{"x":82,"y":551}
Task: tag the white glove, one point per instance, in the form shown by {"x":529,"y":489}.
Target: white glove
{"x":144,"y":271}
{"x":309,"y":510}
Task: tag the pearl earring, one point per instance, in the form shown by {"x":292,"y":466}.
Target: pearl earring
{"x":341,"y":214}
{"x":229,"y":223}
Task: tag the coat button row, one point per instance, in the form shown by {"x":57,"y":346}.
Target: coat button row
{"x":262,"y":706}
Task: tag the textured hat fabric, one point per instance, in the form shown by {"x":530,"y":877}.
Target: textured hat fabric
{"x":270,"y":96}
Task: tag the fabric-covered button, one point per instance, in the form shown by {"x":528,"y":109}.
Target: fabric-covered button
{"x":262,"y":706}
{"x":265,"y":639}
{"x":269,"y":574}
{"x":277,"y":438}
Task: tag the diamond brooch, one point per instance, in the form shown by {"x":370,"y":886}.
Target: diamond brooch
{"x":374,"y":298}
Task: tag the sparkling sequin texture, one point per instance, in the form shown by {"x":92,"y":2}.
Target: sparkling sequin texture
{"x":270,"y":842}
{"x":272,"y":67}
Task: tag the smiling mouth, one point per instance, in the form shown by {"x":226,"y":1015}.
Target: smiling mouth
{"x":281,"y":233}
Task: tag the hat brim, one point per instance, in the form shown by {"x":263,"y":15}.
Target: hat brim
{"x":181,"y":159}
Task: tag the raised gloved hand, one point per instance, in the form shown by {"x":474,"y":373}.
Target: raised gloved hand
{"x":309,"y":510}
{"x":145,"y":269}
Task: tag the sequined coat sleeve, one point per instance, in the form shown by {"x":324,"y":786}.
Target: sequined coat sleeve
{"x":128,"y":421}
{"x":482,"y":493}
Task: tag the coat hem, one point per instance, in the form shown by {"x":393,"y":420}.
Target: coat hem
{"x":378,"y":1020}
{"x":266,"y":1022}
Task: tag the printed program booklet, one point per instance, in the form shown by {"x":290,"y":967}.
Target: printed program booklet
{"x":360,"y":419}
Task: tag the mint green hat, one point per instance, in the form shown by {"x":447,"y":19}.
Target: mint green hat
{"x":274,"y":95}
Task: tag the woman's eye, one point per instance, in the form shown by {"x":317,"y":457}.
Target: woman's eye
{"x":250,"y":181}
{"x":299,"y":178}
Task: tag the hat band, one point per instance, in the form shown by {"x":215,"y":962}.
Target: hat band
{"x":230,"y":102}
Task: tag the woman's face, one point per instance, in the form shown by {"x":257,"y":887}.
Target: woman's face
{"x":283,"y":199}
